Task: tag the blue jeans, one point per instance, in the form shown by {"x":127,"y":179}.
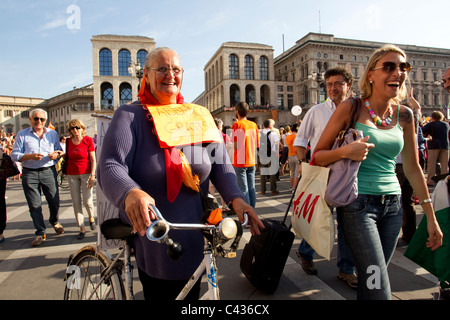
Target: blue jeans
{"x":245,"y":177}
{"x":344,"y":256}
{"x":371,"y":226}
{"x":34,"y":182}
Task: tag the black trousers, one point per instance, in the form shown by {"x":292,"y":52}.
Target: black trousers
{"x":159,"y":289}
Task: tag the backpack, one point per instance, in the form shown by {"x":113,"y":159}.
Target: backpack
{"x":265,"y":147}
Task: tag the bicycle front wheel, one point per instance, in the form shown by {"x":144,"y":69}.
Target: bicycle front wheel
{"x":86,"y":278}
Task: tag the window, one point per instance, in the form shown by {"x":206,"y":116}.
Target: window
{"x":234,"y":95}
{"x":341,"y":57}
{"x":8,"y":113}
{"x":107,"y":95}
{"x":265,"y":95}
{"x":290,"y":101}
{"x":248,"y":68}
{"x":436,"y":99}
{"x":125,"y":93}
{"x":105,"y":62}
{"x":263,"y":68}
{"x":233,"y":64}
{"x":124,"y":62}
{"x":280,"y":101}
{"x":141,"y":56}
{"x":25,"y":114}
{"x":250,"y":95}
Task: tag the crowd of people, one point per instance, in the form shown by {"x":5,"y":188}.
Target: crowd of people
{"x":147,"y":167}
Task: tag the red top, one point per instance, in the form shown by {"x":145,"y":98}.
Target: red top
{"x":79,"y":162}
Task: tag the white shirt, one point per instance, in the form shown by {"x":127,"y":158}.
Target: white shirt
{"x":313,"y":124}
{"x":274,"y":163}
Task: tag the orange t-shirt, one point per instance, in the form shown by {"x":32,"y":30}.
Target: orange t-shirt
{"x":245,"y":137}
{"x":290,"y":143}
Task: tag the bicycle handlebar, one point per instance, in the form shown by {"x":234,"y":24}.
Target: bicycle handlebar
{"x":158,"y":231}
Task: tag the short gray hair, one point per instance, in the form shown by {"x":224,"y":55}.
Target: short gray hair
{"x":38,"y":110}
{"x":154,"y":53}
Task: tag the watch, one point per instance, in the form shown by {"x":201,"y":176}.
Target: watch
{"x":300,"y":161}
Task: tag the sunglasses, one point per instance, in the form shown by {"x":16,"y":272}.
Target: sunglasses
{"x":78,"y":128}
{"x":390,"y":67}
{"x":41,"y":119}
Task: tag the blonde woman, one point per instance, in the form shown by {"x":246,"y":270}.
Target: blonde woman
{"x":372,"y":223}
{"x":81,"y":165}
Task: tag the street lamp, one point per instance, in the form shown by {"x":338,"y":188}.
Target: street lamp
{"x":136,"y":69}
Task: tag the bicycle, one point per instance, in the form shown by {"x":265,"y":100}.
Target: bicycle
{"x":93,"y":274}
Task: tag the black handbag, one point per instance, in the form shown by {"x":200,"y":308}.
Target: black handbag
{"x":8,"y":167}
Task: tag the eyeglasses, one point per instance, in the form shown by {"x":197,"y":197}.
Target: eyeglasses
{"x":41,"y":119}
{"x":338,"y":84}
{"x":78,"y":128}
{"x":163,"y":70}
{"x":390,"y":67}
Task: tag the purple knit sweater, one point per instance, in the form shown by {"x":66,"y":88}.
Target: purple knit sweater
{"x":132,"y":158}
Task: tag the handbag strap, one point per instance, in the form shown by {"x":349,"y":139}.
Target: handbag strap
{"x":289,"y":205}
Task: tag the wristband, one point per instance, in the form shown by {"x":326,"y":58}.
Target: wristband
{"x":425,"y":201}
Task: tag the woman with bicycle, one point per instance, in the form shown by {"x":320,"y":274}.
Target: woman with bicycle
{"x":141,"y":163}
{"x":80,"y":169}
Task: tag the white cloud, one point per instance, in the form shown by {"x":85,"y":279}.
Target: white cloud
{"x":59,"y":22}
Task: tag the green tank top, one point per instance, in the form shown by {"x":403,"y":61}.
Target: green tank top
{"x":377,"y":173}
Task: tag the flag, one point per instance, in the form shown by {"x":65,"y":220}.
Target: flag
{"x":50,"y":126}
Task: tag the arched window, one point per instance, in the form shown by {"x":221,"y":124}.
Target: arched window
{"x":124,"y":62}
{"x":141,"y":56}
{"x":263,"y":68}
{"x":106,"y":89}
{"x":250,"y":95}
{"x":234,"y":95}
{"x":126,"y":94}
{"x":233,"y":64}
{"x":248,"y":68}
{"x":265,"y":95}
{"x":105,"y":62}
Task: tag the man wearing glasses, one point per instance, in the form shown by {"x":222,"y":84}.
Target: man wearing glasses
{"x":338,"y":82}
{"x":38,"y":149}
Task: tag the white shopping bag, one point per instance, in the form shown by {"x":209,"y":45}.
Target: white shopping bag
{"x":311,"y":217}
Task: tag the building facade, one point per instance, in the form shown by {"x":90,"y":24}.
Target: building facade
{"x":15,"y":111}
{"x":303,"y":66}
{"x":241,"y":72}
{"x":112,"y":55}
{"x":296,"y":76}
{"x":236,"y":72}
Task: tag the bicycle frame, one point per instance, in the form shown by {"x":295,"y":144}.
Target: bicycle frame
{"x":208,"y":264}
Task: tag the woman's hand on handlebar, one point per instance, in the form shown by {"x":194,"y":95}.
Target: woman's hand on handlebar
{"x":240,"y":206}
{"x":137,"y":210}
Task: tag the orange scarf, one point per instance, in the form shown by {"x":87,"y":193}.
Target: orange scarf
{"x":178,"y":169}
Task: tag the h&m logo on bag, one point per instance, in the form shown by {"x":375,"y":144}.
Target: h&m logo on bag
{"x":307,"y":207}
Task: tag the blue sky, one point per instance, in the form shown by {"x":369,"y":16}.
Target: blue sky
{"x":45,"y":52}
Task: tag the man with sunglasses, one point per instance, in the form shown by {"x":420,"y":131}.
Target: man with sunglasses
{"x":38,"y":149}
